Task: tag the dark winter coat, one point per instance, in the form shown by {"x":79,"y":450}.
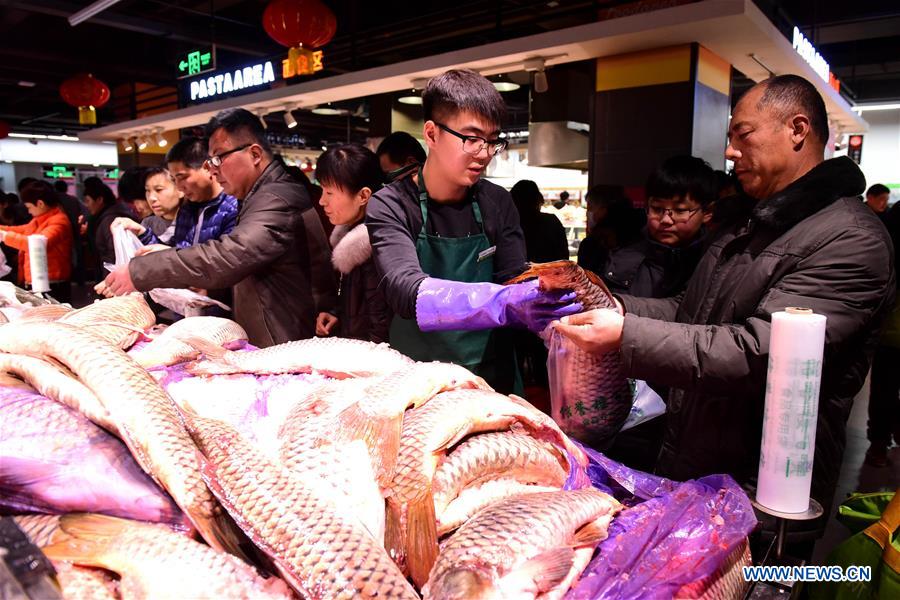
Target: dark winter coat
{"x":214,"y":219}
{"x":363,"y":312}
{"x":651,"y":270}
{"x":277,"y":259}
{"x":814,"y":245}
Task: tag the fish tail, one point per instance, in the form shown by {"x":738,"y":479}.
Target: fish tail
{"x":208,"y":348}
{"x":535,"y":270}
{"x":394,"y":535}
{"x":86,"y":538}
{"x":381,"y":434}
{"x":421,"y":538}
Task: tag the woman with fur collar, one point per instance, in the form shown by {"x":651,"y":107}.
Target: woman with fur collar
{"x":349,"y":175}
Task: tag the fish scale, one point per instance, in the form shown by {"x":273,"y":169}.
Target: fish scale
{"x":169,"y":347}
{"x":295,"y":523}
{"x":504,"y":536}
{"x":592,"y":397}
{"x":119,"y":320}
{"x":144,"y":413}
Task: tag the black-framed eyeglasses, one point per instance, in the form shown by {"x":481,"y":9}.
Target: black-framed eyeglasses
{"x":678,"y":215}
{"x":216,"y":159}
{"x":473,"y":144}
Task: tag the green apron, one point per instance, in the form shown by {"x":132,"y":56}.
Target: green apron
{"x":470,"y":260}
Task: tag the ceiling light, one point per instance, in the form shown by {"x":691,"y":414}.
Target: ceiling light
{"x":143,"y":142}
{"x":34,"y":136}
{"x":870,"y":107}
{"x":414,"y":97}
{"x":161,"y":141}
{"x":540,"y":84}
{"x":329,"y":111}
{"x":127,"y":145}
{"x":90,"y":11}
{"x":410,"y":99}
{"x":289,"y":119}
{"x":536,"y":67}
{"x":28,"y":84}
{"x":63,"y":138}
{"x":503,"y":84}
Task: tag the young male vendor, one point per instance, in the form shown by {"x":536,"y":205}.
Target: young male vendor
{"x":445,"y":239}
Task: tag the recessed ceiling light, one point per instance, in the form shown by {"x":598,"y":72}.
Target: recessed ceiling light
{"x":329,"y":111}
{"x":412,"y":100}
{"x":28,"y":84}
{"x":505,"y":86}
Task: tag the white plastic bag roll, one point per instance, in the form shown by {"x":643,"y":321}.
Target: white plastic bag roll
{"x":792,"y":406}
{"x":37,"y":262}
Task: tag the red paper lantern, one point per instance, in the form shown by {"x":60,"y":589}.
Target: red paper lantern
{"x":4,"y":129}
{"x":292,"y":23}
{"x":87,"y":93}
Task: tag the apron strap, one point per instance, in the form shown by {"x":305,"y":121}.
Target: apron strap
{"x":423,"y":205}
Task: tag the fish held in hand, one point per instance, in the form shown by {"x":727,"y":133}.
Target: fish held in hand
{"x":156,"y":562}
{"x":527,"y":546}
{"x":335,"y":357}
{"x":591,"y":395}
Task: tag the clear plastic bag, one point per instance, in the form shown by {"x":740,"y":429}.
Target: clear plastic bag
{"x":181,"y":301}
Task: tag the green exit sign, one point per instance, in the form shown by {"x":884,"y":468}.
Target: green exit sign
{"x":196,"y":61}
{"x":59,"y":172}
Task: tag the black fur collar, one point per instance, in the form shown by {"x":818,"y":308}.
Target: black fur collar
{"x":828,"y":181}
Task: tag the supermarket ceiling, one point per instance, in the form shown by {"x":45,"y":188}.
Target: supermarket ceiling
{"x":142,"y":41}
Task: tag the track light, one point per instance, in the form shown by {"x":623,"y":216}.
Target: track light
{"x":536,"y":67}
{"x":262,"y":118}
{"x":143,"y":142}
{"x":127,"y":144}
{"x":540,"y":82}
{"x":161,"y":141}
{"x":414,"y":96}
{"x":289,"y":119}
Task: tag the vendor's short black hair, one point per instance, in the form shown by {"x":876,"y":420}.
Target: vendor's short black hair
{"x":240,"y":121}
{"x":350,"y":167}
{"x":400,"y":147}
{"x":131,"y":184}
{"x":878,"y":189}
{"x":192,"y":152}
{"x":682,"y":175}
{"x":39,"y":190}
{"x":462,"y":90}
{"x":789,"y":95}
{"x":95,"y":188}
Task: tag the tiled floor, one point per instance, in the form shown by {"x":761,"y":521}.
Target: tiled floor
{"x":856,"y":476}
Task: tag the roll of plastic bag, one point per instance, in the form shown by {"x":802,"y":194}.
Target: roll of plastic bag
{"x":37,"y":262}
{"x":792,"y":406}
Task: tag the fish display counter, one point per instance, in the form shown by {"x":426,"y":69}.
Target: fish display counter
{"x":182,"y":462}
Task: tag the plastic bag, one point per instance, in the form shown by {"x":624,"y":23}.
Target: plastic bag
{"x":673,"y":534}
{"x":647,"y":405}
{"x":590,"y":397}
{"x":183,"y":302}
{"x":56,"y":461}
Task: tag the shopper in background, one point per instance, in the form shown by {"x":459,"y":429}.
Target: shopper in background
{"x":611,"y":222}
{"x":77,"y":212}
{"x":400,"y":155}
{"x":545,"y":237}
{"x":48,"y":219}
{"x":349,"y":176}
{"x":132,"y":192}
{"x":276,"y":258}
{"x":732,"y":204}
{"x":680,"y":195}
{"x":314,"y":191}
{"x":884,"y":391}
{"x":444,"y":240}
{"x":809,"y":243}
{"x":165,"y":201}
{"x":20,"y":212}
{"x":877,"y":197}
{"x":11,"y":213}
{"x":104,"y":209}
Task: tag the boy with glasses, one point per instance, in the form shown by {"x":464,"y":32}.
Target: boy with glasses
{"x":444,"y":239}
{"x":680,"y":196}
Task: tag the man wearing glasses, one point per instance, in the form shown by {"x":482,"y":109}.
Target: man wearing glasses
{"x":276,"y":259}
{"x":445,"y":239}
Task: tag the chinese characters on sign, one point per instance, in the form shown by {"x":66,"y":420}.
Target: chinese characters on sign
{"x":301,"y":61}
{"x":196,"y":62}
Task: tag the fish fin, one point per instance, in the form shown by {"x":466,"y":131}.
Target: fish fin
{"x":220,"y":531}
{"x":208,"y":348}
{"x":381,"y":433}
{"x":393,"y":534}
{"x":590,"y":535}
{"x":549,"y":569}
{"x":86,"y":538}
{"x":421,"y":538}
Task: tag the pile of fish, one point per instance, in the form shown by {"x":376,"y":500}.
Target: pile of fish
{"x":181,"y":462}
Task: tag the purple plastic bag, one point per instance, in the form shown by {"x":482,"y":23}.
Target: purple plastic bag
{"x":673,"y":534}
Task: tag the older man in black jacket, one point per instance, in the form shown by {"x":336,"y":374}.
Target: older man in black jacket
{"x":810,"y":242}
{"x":276,"y":258}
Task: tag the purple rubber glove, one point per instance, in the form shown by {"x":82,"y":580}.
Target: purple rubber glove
{"x":443,"y":305}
